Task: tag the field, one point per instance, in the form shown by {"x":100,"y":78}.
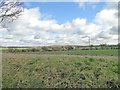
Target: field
{"x":20,"y":70}
{"x":61,"y":69}
{"x":80,"y":52}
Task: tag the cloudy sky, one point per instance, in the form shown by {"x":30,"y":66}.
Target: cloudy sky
{"x":63,"y":23}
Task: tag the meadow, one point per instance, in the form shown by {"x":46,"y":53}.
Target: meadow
{"x":61,"y":69}
{"x":67,"y":50}
{"x":37,"y":71}
{"x":80,"y":52}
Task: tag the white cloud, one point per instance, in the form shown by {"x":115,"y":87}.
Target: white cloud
{"x":96,"y":0}
{"x":109,"y":3}
{"x":107,"y":17}
{"x":32,"y":29}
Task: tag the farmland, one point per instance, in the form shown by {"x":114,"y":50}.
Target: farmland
{"x":79,"y":68}
{"x":95,"y":50}
{"x":79,"y":52}
{"x":33,"y":70}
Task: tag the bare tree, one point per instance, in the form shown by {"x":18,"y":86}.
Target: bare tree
{"x":10,"y":10}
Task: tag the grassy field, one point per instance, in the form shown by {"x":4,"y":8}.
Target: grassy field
{"x":6,"y":49}
{"x":44,"y":71}
{"x":60,"y":69}
{"x":110,"y":52}
{"x":81,"y":52}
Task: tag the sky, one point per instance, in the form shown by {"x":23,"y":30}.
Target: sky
{"x":63,"y":23}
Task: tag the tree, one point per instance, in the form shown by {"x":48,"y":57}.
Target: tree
{"x":10,"y":10}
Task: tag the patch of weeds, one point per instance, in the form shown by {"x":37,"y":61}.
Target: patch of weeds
{"x":61,"y":85}
{"x":82,"y":76}
{"x":113,"y":63}
{"x":32,"y":61}
{"x":38,"y":59}
{"x":87,"y":62}
{"x":87,"y":74}
{"x":38,"y":84}
{"x":63,"y":75}
{"x":86,"y":67}
{"x":114,"y":69}
{"x":73,"y":74}
{"x":20,"y":80}
{"x":91,"y":59}
{"x":102,"y":60}
{"x":78,"y":63}
{"x":112,"y":84}
{"x":86,"y":80}
{"x":98,"y":72}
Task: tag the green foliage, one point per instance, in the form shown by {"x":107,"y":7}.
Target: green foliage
{"x":87,"y":62}
{"x":101,"y":60}
{"x":113,"y":84}
{"x":71,"y":50}
{"x":114,"y":69}
{"x":78,"y":63}
{"x":62,"y":75}
{"x":98,"y":73}
{"x":34,"y":61}
{"x":91,"y":59}
{"x":87,"y":67}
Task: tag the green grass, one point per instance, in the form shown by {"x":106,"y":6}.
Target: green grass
{"x":81,"y":52}
{"x":59,"y":72}
{"x":6,"y":49}
{"x":109,"y":51}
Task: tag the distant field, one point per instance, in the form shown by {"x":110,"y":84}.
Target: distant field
{"x":110,"y":52}
{"x":37,"y":71}
{"x":80,"y":52}
{"x":6,"y":49}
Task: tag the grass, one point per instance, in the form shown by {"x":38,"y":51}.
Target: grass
{"x":81,"y":52}
{"x":37,"y":71}
{"x":6,"y":49}
{"x":109,"y":51}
